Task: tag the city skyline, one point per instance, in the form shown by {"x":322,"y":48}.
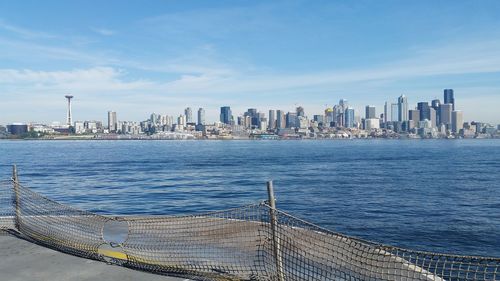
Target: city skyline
{"x":166,"y":56}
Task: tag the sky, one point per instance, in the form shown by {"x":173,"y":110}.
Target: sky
{"x":139,"y":57}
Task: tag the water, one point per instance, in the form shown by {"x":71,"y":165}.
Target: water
{"x":437,"y":195}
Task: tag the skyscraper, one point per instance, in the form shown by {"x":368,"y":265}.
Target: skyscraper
{"x":201,"y":116}
{"x":300,"y":111}
{"x":349,"y":117}
{"x":445,"y":114}
{"x":457,"y":121}
{"x":280,"y":119}
{"x":425,"y":113}
{"x":189,"y":115}
{"x":329,"y":116}
{"x":394,"y":112}
{"x":112,"y":121}
{"x":272,"y":119}
{"x":370,"y":112}
{"x":343,"y":104}
{"x":414,"y":115}
{"x":181,"y":121}
{"x":433,"y":117}
{"x":436,"y":104}
{"x":226,"y":116}
{"x":402,"y":108}
{"x":291,"y":120}
{"x":449,"y":97}
{"x":387,"y":112}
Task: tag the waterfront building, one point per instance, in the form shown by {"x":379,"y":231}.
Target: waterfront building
{"x":370,"y":112}
{"x":226,"y":116}
{"x":201,"y":116}
{"x":280,"y":119}
{"x":112,"y":122}
{"x":394,"y":112}
{"x":402,"y":108}
{"x":272,"y":120}
{"x":457,"y":121}
{"x":424,"y":109}
{"x":445,"y":114}
{"x":263,"y":124}
{"x":17,"y":128}
{"x":449,"y":98}
{"x":372,"y":123}
{"x":349,"y":117}
{"x":79,"y":127}
{"x":189,"y":115}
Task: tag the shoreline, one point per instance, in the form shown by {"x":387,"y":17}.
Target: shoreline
{"x":243,"y":139}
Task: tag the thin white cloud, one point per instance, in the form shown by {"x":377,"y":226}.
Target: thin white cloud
{"x":230,"y":84}
{"x":104,"y":31}
{"x":24,"y":32}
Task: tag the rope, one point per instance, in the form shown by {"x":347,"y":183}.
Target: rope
{"x":235,"y":244}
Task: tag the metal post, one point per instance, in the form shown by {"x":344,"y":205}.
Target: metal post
{"x":274,"y":232}
{"x":15,"y":182}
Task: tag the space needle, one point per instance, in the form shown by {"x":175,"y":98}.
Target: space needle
{"x":69,"y":97}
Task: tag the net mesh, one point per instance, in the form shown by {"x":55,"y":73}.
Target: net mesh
{"x":253,"y":242}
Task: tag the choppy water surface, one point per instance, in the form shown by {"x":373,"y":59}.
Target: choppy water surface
{"x":438,"y":195}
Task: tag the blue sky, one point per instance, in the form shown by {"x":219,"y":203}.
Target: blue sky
{"x":138,"y":57}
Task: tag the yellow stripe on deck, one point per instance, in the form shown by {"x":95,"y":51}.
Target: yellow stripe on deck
{"x":112,"y":254}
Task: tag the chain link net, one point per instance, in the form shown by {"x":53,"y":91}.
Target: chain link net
{"x":253,"y":242}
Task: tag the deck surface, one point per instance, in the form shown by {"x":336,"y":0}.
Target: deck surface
{"x":21,"y":260}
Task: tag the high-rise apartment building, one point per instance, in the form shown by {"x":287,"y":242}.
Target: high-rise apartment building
{"x":112,"y":122}
{"x":182,"y":121}
{"x":201,"y":116}
{"x":433,"y":117}
{"x":387,"y":112}
{"x":457,"y":121}
{"x":272,"y":120}
{"x":280,"y":119}
{"x":189,"y":115}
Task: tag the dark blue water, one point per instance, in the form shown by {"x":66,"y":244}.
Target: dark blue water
{"x":438,"y":195}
